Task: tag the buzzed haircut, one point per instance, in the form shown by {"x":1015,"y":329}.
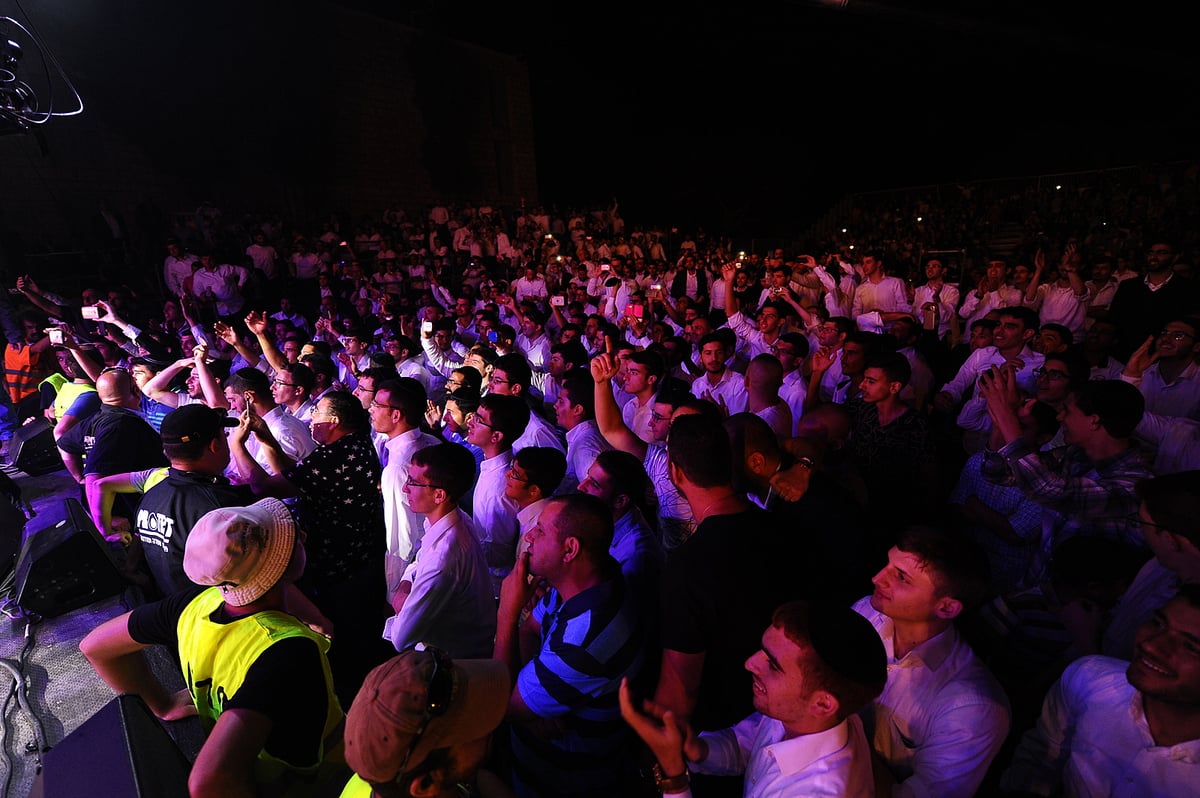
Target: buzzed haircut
{"x":957,"y":565}
{"x":588,"y":520}
{"x":700,"y":449}
{"x":451,"y":466}
{"x":544,"y":466}
{"x":349,"y":411}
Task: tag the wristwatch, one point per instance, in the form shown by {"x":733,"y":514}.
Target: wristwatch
{"x":668,"y":784}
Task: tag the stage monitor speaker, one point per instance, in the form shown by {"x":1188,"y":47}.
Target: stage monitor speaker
{"x":33,"y":450}
{"x":122,"y":751}
{"x":66,"y":564}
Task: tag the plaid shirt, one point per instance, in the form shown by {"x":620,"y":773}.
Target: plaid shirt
{"x":1079,"y":496}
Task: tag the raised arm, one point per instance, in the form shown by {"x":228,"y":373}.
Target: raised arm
{"x":256,"y":322}
{"x":608,"y":415}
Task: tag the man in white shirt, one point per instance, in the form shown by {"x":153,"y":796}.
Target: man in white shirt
{"x":992,"y":293}
{"x":511,"y":376}
{"x":1015,"y":328}
{"x":533,"y":344}
{"x":530,"y":285}
{"x":1171,"y":383}
{"x":445,"y":599}
{"x":575,"y":412}
{"x":719,"y":383}
{"x":942,"y":716}
{"x":396,"y":412}
{"x":220,"y":284}
{"x":819,"y":664}
{"x":643,"y":373}
{"x":251,"y":388}
{"x":879,"y":298}
{"x":1111,"y":727}
{"x":177,"y":267}
{"x":494,"y":426}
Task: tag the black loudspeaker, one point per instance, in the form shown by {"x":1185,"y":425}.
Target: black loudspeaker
{"x":66,"y":564}
{"x":33,"y":450}
{"x":122,"y":751}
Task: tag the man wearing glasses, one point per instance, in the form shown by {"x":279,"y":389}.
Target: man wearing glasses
{"x":445,"y":597}
{"x":396,"y":413}
{"x":1165,"y":371}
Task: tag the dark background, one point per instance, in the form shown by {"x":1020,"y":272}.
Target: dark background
{"x":759,"y":116}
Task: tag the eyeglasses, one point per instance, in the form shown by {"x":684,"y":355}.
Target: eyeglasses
{"x":475,"y":419}
{"x":441,"y":690}
{"x":515,"y":477}
{"x":374,"y":405}
{"x":1051,"y":374}
{"x":408,"y":483}
{"x":1175,"y":335}
{"x":658,"y":417}
{"x":324,"y":413}
{"x":285,"y":384}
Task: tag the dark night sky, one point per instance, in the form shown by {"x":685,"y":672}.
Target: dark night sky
{"x":758,"y":120}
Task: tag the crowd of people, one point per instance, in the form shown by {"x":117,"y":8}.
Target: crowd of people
{"x":649,"y":513}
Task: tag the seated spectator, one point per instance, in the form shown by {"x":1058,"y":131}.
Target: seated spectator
{"x":1087,"y":487}
{"x":1111,"y":727}
{"x":942,"y":716}
{"x":1167,"y":373}
{"x":445,"y":598}
{"x":589,"y":632}
{"x":819,"y":664}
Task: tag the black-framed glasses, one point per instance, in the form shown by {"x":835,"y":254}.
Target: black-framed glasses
{"x":408,"y":483}
{"x":1051,"y":374}
{"x":1175,"y":335}
{"x":441,"y":691}
{"x":512,"y":474}
{"x":285,"y":384}
{"x":375,"y":405}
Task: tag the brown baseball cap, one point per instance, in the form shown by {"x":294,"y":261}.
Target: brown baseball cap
{"x":456,"y":701}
